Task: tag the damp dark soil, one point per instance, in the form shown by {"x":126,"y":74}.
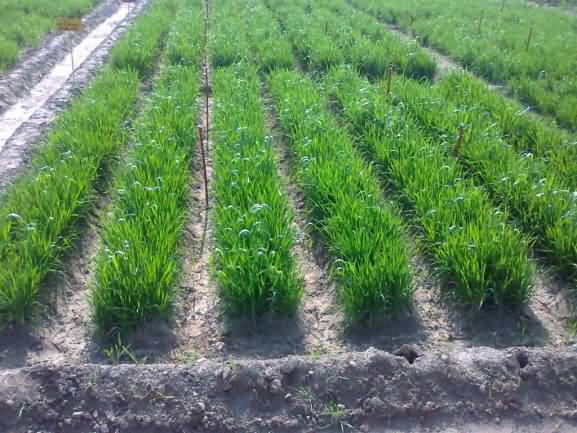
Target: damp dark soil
{"x":474,"y":390}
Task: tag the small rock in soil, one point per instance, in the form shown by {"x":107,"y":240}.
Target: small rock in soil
{"x":408,"y":352}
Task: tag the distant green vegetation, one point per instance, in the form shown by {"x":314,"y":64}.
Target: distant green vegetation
{"x":23,"y":23}
{"x":531,"y":49}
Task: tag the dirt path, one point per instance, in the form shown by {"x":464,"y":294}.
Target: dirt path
{"x":199,"y":331}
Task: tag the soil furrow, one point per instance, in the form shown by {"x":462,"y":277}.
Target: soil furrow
{"x":198,"y":319}
{"x":321,"y":318}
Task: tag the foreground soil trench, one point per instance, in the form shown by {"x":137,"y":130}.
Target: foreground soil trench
{"x":475,"y":390}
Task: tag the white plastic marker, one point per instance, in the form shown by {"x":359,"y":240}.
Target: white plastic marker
{"x":21,"y":111}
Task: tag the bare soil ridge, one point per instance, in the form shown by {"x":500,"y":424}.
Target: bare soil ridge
{"x":473,"y":390}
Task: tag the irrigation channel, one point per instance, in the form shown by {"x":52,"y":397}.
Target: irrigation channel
{"x":183,"y":98}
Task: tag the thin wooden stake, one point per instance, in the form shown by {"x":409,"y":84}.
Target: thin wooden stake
{"x":206,"y":105}
{"x":529,"y":39}
{"x":459,"y":143}
{"x":389,"y":77}
{"x":481,"y":22}
{"x":201,"y":141}
{"x":72,"y":61}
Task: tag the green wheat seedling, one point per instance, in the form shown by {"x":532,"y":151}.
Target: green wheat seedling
{"x":142,"y":43}
{"x":472,"y":246}
{"x":185,"y":42}
{"x":541,"y":204}
{"x":228,"y":41}
{"x":333,"y":33}
{"x":138,"y":266}
{"x":494,"y":43}
{"x":314,"y":47}
{"x":527,"y":134}
{"x":253,"y":258}
{"x":41,"y":212}
{"x":271,"y":49}
{"x":363,"y":235}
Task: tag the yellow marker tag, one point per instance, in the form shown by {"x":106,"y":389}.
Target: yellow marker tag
{"x":69,"y":24}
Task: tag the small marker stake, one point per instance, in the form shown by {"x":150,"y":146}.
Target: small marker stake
{"x":389,"y":77}
{"x":459,"y":143}
{"x":206,"y":96}
{"x":130,"y":4}
{"x":201,"y":142}
{"x":72,"y":61}
{"x":481,"y":21}
{"x":529,"y":39}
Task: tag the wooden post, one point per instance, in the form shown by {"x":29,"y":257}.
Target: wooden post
{"x":72,"y":61}
{"x":205,"y":175}
{"x":389,"y":78}
{"x":206,"y":104}
{"x":529,"y":39}
{"x":459,"y":143}
{"x":481,"y":22}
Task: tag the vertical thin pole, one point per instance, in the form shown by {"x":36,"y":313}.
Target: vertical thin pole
{"x":201,"y":142}
{"x":481,"y":21}
{"x":389,"y":77}
{"x":529,"y":39}
{"x":72,"y":59}
{"x":459,"y":143}
{"x":206,"y":104}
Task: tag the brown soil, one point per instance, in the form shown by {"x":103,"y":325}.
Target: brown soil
{"x":474,"y":390}
{"x":198,"y":325}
